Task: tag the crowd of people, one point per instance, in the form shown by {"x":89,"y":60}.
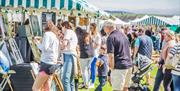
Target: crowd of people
{"x":109,"y":52}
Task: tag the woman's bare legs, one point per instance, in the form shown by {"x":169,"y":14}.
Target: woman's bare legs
{"x":47,"y":84}
{"x":40,"y":80}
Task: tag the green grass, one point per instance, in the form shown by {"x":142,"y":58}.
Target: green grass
{"x":107,"y":87}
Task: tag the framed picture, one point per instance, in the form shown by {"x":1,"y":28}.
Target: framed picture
{"x":2,"y":28}
{"x":46,"y":16}
{"x":34,"y":24}
{"x":72,"y":19}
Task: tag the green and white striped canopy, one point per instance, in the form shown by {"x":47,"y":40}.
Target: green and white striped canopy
{"x":59,"y":4}
{"x":152,"y":21}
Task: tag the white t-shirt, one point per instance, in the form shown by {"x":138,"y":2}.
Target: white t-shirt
{"x":49,"y":48}
{"x":71,"y":37}
{"x":96,"y":40}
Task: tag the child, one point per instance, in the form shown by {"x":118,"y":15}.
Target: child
{"x":102,"y":65}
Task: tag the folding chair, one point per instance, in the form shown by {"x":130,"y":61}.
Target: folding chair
{"x":6,"y":79}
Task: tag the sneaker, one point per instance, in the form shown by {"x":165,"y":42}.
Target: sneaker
{"x":91,"y":86}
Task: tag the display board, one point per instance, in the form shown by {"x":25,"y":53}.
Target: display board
{"x":29,"y":36}
{"x":46,"y":16}
{"x":34,"y":24}
{"x":5,"y":51}
{"x":2,"y":30}
{"x":14,"y":51}
{"x":72,"y":19}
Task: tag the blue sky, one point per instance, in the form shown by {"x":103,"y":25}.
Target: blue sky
{"x":134,"y":5}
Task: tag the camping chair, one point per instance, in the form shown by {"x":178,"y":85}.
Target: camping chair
{"x":6,"y":79}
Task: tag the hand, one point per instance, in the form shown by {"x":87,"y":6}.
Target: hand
{"x":98,"y":63}
{"x":60,"y":62}
{"x":159,"y":65}
{"x":36,"y":40}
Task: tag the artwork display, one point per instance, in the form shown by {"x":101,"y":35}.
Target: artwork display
{"x":46,"y":16}
{"x":72,"y":19}
{"x":34,"y":24}
{"x":2,"y":31}
{"x":14,"y":51}
{"x":83,"y":21}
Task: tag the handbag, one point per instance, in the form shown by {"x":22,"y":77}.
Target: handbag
{"x":171,"y":63}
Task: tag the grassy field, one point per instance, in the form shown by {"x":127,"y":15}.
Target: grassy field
{"x":107,"y":87}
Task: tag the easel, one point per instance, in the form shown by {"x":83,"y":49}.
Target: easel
{"x":6,"y":79}
{"x":58,"y":82}
{"x":6,"y":76}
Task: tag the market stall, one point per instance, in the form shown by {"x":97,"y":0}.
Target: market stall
{"x":22,"y":20}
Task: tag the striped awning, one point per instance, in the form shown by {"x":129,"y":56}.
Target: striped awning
{"x":152,"y":21}
{"x":59,"y":4}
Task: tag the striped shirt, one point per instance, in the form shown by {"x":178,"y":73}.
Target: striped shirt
{"x":176,"y":50}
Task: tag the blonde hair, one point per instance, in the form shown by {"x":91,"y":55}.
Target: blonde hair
{"x":178,"y":37}
{"x":171,"y":34}
{"x":55,"y":30}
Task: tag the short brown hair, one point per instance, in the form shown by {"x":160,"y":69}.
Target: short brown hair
{"x":67,"y":25}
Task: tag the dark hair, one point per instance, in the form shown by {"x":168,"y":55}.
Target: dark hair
{"x":85,"y":35}
{"x":135,"y":34}
{"x":148,"y":33}
{"x":140,"y":30}
{"x":103,"y":47}
{"x":93,"y":24}
{"x":67,"y":25}
{"x":103,"y":32}
{"x":79,"y":31}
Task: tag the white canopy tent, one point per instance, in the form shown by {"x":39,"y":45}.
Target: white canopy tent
{"x":156,"y":20}
{"x":120,"y":22}
{"x":176,"y":20}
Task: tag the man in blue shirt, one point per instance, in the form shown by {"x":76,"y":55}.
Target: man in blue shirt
{"x":143,"y":46}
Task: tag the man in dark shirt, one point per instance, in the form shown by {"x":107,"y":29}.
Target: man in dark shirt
{"x":119,"y":57}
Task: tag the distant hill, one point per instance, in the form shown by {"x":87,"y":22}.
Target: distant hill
{"x":118,"y":11}
{"x":128,"y":15}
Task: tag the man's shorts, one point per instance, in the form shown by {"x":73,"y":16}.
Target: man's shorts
{"x":120,"y":78}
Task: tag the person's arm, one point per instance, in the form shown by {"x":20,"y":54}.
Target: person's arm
{"x":45,"y":42}
{"x":66,"y":39}
{"x":136,"y":48}
{"x":111,"y":60}
{"x":110,"y":51}
{"x":98,"y":42}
